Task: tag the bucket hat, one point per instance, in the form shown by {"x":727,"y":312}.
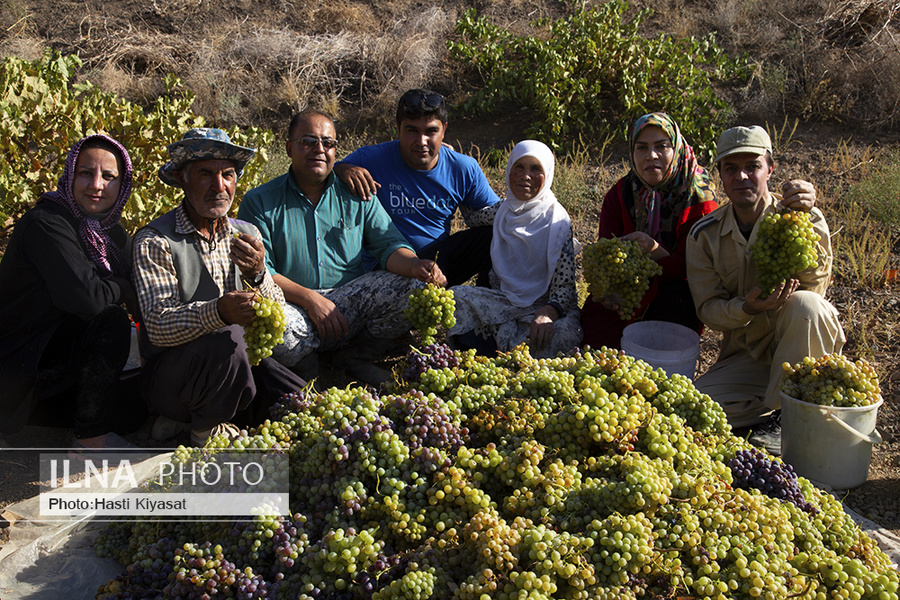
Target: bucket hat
{"x":203,"y":143}
{"x":753,"y":140}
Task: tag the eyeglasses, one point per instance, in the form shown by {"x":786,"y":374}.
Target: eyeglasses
{"x":310,"y":141}
{"x":415,"y":100}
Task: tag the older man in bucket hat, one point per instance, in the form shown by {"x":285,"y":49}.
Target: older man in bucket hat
{"x":760,"y":333}
{"x":191,"y":272}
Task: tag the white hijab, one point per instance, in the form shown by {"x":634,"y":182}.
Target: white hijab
{"x":528,"y":236}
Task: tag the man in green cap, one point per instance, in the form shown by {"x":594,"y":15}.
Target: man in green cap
{"x":760,"y":333}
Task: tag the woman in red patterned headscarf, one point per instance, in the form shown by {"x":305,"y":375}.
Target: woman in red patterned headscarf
{"x":655,"y":204}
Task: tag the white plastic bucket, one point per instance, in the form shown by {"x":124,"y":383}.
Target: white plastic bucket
{"x":668,"y":346}
{"x":828,"y":444}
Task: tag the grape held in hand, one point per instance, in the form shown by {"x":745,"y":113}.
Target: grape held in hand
{"x":785,"y":245}
{"x":431,"y":307}
{"x":266,"y":331}
{"x":617,"y":266}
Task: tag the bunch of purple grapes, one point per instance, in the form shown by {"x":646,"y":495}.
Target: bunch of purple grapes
{"x":753,"y":469}
{"x":432,"y":356}
{"x":423,"y":421}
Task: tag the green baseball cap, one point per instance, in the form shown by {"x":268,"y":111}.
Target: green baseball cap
{"x":753,"y":140}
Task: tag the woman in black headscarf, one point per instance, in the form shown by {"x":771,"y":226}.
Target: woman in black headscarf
{"x":64,"y":335}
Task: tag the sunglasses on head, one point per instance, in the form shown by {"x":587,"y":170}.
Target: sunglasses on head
{"x":311,"y":141}
{"x":417,"y":100}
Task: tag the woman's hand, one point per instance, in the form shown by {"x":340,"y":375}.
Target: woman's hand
{"x":542,"y":327}
{"x":647,"y":244}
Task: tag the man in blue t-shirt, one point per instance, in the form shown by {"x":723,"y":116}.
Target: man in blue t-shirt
{"x":420,"y":182}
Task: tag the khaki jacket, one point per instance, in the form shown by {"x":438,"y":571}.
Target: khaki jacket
{"x":721,"y":273}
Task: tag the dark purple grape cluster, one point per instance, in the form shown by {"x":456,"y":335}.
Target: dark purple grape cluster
{"x":432,"y":356}
{"x":753,"y":469}
{"x":423,"y":421}
{"x":151,"y":570}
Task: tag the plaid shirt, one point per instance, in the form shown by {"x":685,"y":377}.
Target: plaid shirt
{"x":169,"y":321}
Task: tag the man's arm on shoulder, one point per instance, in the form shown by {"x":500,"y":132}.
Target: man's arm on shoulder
{"x":355,"y":176}
{"x":169,"y":322}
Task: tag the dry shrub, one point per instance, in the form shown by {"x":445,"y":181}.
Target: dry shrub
{"x":825,"y":69}
{"x":24,"y":47}
{"x":405,"y":57}
{"x":856,"y":22}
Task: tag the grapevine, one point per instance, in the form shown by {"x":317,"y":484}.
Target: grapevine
{"x":588,"y":475}
{"x":617,"y":266}
{"x":785,"y":245}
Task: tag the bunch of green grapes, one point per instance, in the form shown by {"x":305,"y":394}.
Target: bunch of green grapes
{"x":785,"y":245}
{"x":266,"y":330}
{"x":617,"y":266}
{"x":832,"y":380}
{"x":431,"y":307}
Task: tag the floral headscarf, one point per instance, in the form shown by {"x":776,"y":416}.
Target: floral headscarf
{"x":95,"y":231}
{"x":685,"y":182}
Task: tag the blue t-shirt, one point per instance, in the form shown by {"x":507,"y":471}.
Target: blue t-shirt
{"x":422,"y":203}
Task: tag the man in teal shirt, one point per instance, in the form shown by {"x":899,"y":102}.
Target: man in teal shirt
{"x":314,"y":231}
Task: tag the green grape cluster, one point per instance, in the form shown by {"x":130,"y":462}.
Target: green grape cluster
{"x":833,"y":380}
{"x":430,"y":307}
{"x":617,"y":266}
{"x":785,"y":245}
{"x":586,"y":476}
{"x":266,"y":330}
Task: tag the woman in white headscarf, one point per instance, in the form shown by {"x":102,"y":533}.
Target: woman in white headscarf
{"x":532,"y":297}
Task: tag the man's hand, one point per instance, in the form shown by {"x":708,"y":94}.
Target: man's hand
{"x":798,"y":194}
{"x":236,"y":308}
{"x":754,"y":305}
{"x":328,"y":319}
{"x":541,"y":331}
{"x":249,"y":254}
{"x":428,"y":271}
{"x":359,"y":180}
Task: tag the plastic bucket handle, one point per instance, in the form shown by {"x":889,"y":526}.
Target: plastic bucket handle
{"x":875,"y":438}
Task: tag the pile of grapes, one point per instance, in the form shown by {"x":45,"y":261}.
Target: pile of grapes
{"x":431,"y":307}
{"x":267,"y":329}
{"x":585,"y":476}
{"x":785,"y":245}
{"x":617,"y":266}
{"x":832,"y":380}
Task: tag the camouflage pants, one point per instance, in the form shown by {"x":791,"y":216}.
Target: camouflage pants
{"x":373,"y":302}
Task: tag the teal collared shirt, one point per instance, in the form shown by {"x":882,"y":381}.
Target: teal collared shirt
{"x":319,"y":247}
